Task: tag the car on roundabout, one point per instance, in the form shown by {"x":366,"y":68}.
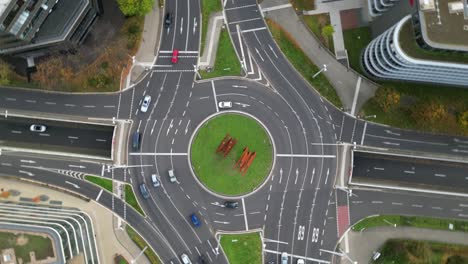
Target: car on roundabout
{"x":231,"y":204}
{"x":195,"y":220}
{"x":225,"y":104}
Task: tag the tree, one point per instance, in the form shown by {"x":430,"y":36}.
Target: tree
{"x":135,"y":7}
{"x":327,"y":31}
{"x":463,"y":119}
{"x":5,"y":73}
{"x":387,"y":98}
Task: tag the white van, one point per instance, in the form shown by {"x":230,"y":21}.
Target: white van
{"x":154,"y":179}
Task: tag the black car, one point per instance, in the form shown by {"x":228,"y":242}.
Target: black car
{"x":168,"y":20}
{"x":231,"y":204}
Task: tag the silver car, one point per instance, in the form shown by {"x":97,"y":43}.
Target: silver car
{"x":145,"y":104}
{"x":225,"y":104}
{"x":185,"y":259}
{"x":284,"y":258}
{"x":37,"y":128}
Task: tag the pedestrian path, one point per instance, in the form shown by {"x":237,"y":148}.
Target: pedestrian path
{"x":211,"y":41}
{"x":333,"y":8}
{"x":363,"y":244}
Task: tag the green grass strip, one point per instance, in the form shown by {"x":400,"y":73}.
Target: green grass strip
{"x":242,"y":248}
{"x":417,"y":251}
{"x":103,"y":182}
{"x":411,"y":221}
{"x":207,"y":7}
{"x":302,"y":63}
{"x":149,"y":253}
{"x":227,"y":63}
{"x":132,"y":200}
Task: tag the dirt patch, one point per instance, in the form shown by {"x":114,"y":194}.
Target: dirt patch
{"x":21,"y":240}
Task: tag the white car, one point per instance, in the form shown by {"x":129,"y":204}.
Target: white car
{"x":300,"y":261}
{"x":38,"y":128}
{"x":284,"y":258}
{"x":185,"y":259}
{"x":225,"y":104}
{"x":172,"y":177}
{"x":145,"y":104}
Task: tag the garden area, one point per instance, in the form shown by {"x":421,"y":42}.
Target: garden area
{"x":141,"y":243}
{"x":24,"y":243}
{"x":100,"y":181}
{"x":416,"y":252}
{"x":322,"y":29}
{"x":219,"y":168}
{"x":131,"y":199}
{"x":242,"y":248}
{"x":432,"y":108}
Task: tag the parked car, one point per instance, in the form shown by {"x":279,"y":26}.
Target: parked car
{"x":225,"y":104}
{"x":284,"y":258}
{"x":231,"y":204}
{"x":175,"y":56}
{"x":172,"y":176}
{"x":146,"y":103}
{"x":154,"y":179}
{"x":38,"y":128}
{"x":168,"y":20}
{"x":144,"y":191}
{"x":185,"y":259}
{"x":195,"y":221}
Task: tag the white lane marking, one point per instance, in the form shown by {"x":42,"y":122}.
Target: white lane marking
{"x":275,"y":7}
{"x":72,"y":137}
{"x":100,"y":140}
{"x":391,"y":143}
{"x":409,"y":172}
{"x":50,"y":103}
{"x":70,"y":105}
{"x":73,"y":184}
{"x":31,"y":101}
{"x":305,"y":156}
{"x":440,"y":175}
{"x":356,"y":93}
{"x":253,"y":29}
{"x":99,"y":195}
{"x":409,"y":140}
{"x":16,"y":132}
{"x":77,"y":166}
{"x":157,"y":154}
{"x":393,"y":203}
{"x":297,"y":256}
{"x":245,"y":216}
{"x":26,"y":172}
{"x":363,"y":132}
{"x":378,"y":168}
{"x":391,"y":132}
{"x":28,"y":161}
{"x":5,"y":164}
{"x":214,"y":94}
{"x":221,"y":222}
{"x":180,"y":51}
{"x":274,"y":241}
{"x":245,"y":20}
{"x":188,"y":24}
{"x":109,"y":106}
{"x":10,"y":99}
{"x":89,"y":106}
{"x":239,"y":7}
{"x":44,"y":135}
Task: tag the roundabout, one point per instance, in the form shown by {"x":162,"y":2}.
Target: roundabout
{"x":229,"y":172}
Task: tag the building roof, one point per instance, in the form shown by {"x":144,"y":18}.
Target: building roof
{"x":3,"y":5}
{"x":444,"y":26}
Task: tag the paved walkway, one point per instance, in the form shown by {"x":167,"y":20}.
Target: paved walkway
{"x":345,"y":81}
{"x":101,"y":217}
{"x":363,"y":244}
{"x":334,"y":8}
{"x":149,"y":43}
{"x":211,"y":41}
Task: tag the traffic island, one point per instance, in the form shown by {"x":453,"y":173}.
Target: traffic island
{"x":231,"y":154}
{"x":242,"y":248}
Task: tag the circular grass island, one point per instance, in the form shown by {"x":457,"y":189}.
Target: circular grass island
{"x":218,"y":173}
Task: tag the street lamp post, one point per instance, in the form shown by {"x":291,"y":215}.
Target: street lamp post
{"x":139,"y":255}
{"x":324,"y":68}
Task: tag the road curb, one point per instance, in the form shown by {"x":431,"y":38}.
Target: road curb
{"x":219,"y":233}
{"x":265,"y":181}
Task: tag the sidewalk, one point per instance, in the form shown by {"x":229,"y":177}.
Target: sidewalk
{"x":211,"y":41}
{"x":149,"y":43}
{"x":363,"y":244}
{"x":345,"y":81}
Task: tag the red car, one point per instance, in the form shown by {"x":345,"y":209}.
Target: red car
{"x":175,"y":56}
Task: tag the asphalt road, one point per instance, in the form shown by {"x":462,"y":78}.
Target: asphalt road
{"x":411,"y":172}
{"x":298,"y":209}
{"x":59,"y":136}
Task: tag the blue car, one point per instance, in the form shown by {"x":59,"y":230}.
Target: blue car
{"x":195,"y":220}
